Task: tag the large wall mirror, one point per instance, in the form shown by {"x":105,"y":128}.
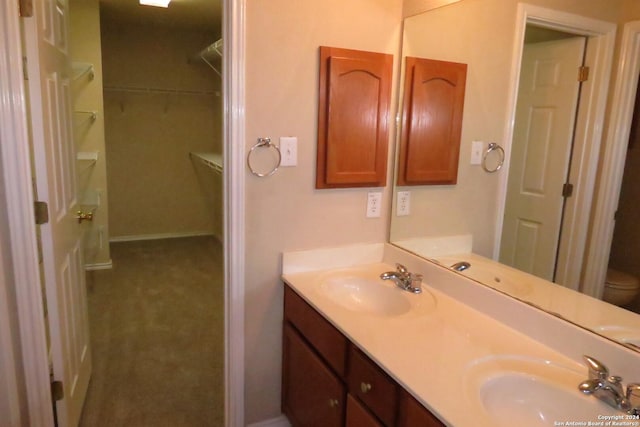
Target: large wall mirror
{"x":539,"y":227}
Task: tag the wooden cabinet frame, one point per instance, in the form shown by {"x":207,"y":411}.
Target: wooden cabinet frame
{"x":353,"y":118}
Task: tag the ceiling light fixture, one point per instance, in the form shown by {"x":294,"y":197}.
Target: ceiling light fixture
{"x":157,"y":3}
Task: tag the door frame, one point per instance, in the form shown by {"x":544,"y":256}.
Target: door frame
{"x":24,"y":279}
{"x":18,"y":192}
{"x":613,"y":161}
{"x":589,"y":123}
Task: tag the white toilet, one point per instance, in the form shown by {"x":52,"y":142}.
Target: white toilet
{"x":620,"y":288}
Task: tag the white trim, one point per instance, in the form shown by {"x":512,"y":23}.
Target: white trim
{"x":599,"y":56}
{"x":16,"y":168}
{"x":280,"y":421}
{"x":136,"y":237}
{"x":613,"y":161}
{"x":233,"y":77}
{"x":99,"y":266}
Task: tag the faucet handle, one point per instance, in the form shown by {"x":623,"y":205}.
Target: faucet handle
{"x":597,"y":370}
{"x":401,"y":268}
{"x":633,"y":396}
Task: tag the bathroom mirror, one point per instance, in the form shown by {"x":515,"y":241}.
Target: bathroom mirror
{"x":466,"y":221}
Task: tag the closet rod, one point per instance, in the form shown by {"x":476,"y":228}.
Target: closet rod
{"x":157,"y":90}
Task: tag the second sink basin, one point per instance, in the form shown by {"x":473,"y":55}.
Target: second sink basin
{"x":362,"y":291}
{"x":525,"y":392}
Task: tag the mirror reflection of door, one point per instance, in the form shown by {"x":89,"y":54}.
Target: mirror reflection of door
{"x":546,"y":111}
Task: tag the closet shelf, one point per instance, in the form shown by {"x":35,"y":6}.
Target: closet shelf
{"x":81,"y":69}
{"x":90,"y":157}
{"x":212,"y":56}
{"x":81,"y":117}
{"x":212,"y":160}
{"x":86,"y":160}
{"x":133,"y":89}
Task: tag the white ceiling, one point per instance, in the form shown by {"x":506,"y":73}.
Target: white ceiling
{"x":204,"y":15}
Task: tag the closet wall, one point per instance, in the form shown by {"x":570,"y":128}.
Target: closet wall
{"x":159,"y":107}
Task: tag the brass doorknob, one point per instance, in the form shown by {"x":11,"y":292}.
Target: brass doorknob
{"x":365,"y":387}
{"x":84,"y":216}
{"x":333,"y":403}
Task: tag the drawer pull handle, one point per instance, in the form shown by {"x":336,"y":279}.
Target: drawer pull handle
{"x":365,"y":387}
{"x":333,"y":403}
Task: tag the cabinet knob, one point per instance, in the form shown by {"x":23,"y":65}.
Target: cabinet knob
{"x":333,"y":403}
{"x":365,"y":387}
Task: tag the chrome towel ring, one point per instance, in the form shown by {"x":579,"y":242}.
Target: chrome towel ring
{"x":264,"y":142}
{"x":493,"y":147}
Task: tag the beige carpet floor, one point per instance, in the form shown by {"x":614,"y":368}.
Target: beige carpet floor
{"x":157,"y":335}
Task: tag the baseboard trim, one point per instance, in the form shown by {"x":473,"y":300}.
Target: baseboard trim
{"x":160,"y":236}
{"x":280,"y":421}
{"x":99,"y":266}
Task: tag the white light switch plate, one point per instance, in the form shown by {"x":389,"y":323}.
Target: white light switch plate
{"x":477,"y":147}
{"x":403,"y":206}
{"x":374,"y":202}
{"x":289,"y":150}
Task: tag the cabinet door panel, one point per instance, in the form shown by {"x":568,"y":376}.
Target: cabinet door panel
{"x":312,"y":396}
{"x":431,"y":122}
{"x":353,"y":116}
{"x":413,"y":414}
{"x":358,"y":416}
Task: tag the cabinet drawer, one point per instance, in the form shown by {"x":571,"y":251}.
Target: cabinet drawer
{"x":312,"y":395}
{"x":358,"y":416}
{"x":372,"y":386}
{"x":321,"y":334}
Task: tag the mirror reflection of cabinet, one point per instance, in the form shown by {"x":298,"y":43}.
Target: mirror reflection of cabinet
{"x":431,"y":121}
{"x":353,"y":118}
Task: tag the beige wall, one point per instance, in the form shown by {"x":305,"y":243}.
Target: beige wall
{"x":155,"y":188}
{"x":414,"y":7}
{"x":284,"y":211}
{"x":84,"y":32}
{"x":481,"y":34}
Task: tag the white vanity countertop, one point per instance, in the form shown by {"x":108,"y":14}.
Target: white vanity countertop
{"x":435,"y":350}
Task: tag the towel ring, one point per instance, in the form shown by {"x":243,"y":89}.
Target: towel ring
{"x":493,"y":147}
{"x":264,"y":142}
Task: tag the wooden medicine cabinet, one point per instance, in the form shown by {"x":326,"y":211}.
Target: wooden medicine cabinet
{"x":431,"y":122}
{"x":353,"y":118}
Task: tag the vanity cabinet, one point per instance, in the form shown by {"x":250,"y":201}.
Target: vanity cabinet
{"x":353,"y":118}
{"x":328,"y":381}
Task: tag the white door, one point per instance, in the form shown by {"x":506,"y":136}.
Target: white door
{"x":49,"y":86}
{"x":540,"y":154}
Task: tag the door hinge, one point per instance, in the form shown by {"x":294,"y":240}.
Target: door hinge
{"x":57,"y":391}
{"x":583,"y":73}
{"x":25,"y":71}
{"x":41,"y":212}
{"x":567,"y":190}
{"x":26,"y":8}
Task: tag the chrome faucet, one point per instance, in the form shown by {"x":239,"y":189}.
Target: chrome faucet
{"x":609,"y":389}
{"x":403,"y":279}
{"x":460,"y":266}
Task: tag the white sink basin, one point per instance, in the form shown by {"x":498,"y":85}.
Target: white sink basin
{"x":492,"y":274}
{"x":516,"y":391}
{"x":364,"y":292}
